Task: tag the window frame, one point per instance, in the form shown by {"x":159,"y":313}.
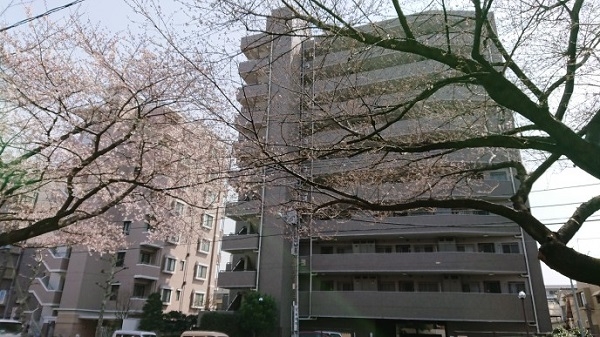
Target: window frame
{"x":120,"y":259}
{"x":510,"y":247}
{"x":151,"y":257}
{"x":199,"y":267}
{"x":193,"y":303}
{"x":126,"y":227}
{"x":201,"y":242}
{"x":169,"y":292}
{"x":205,"y":218}
{"x":114,"y":291}
{"x":170,"y":264}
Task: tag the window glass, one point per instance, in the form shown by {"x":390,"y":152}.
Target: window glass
{"x":207,"y":221}
{"x":126,"y":227}
{"x":201,"y":271}
{"x":510,"y":248}
{"x":486,"y":247}
{"x":170,"y":264}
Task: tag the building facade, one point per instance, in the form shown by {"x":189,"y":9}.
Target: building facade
{"x":581,"y":306}
{"x":434,"y":271}
{"x":69,"y":285}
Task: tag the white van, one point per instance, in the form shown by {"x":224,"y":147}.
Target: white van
{"x":10,"y":328}
{"x":201,"y":333}
{"x":133,"y":333}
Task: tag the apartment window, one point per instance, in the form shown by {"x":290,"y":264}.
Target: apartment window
{"x":406,"y":286}
{"x":114,"y":291}
{"x":345,"y":286}
{"x":471,"y":287}
{"x":209,"y":197}
{"x":165,"y":295}
{"x":498,"y":176}
{"x":3,"y":296}
{"x":170,"y":263}
{"x":120,"y":259}
{"x":326,"y":249}
{"x":486,"y":247}
{"x":126,"y":227}
{"x":366,"y":246}
{"x":424,"y":248}
{"x":386,"y":286}
{"x":204,"y":246}
{"x":384,"y":249}
{"x":402,"y":248}
{"x":581,"y":301}
{"x":197,"y":300}
{"x":178,"y":295}
{"x":428,"y":286}
{"x":207,"y":221}
{"x":465,"y":248}
{"x":491,"y":287}
{"x":516,"y":287}
{"x":139,"y":290}
{"x":327,"y":285}
{"x":510,"y":248}
{"x":178,"y":208}
{"x":147,"y":257}
{"x":182,"y":265}
{"x":201,"y":272}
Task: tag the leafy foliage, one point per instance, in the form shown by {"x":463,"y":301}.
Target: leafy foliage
{"x":152,"y":315}
{"x":258,"y":313}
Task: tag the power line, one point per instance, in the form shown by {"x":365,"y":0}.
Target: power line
{"x":39,"y":16}
{"x":565,"y":187}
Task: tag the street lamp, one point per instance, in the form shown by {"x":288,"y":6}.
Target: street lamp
{"x":522,"y":296}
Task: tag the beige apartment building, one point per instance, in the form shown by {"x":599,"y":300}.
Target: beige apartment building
{"x":68,"y":287}
{"x":583,"y":310}
{"x":441,"y":272}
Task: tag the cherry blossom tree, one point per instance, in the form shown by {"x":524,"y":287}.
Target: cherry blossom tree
{"x":533,"y":62}
{"x":96,"y":126}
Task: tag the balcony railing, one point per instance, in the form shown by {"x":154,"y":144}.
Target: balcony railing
{"x":241,"y":209}
{"x":237,"y":279}
{"x":434,"y":306}
{"x":241,"y":242}
{"x":436,"y":262}
{"x":44,"y":293}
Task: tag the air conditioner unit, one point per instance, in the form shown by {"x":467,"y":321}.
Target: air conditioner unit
{"x":174,"y":239}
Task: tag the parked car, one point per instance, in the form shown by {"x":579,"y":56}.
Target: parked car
{"x":201,"y":333}
{"x":320,"y":333}
{"x":10,"y":328}
{"x":133,"y":333}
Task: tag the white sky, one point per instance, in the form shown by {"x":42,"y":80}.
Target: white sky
{"x":555,"y":190}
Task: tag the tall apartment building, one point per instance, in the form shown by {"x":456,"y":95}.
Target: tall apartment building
{"x":444,"y":272}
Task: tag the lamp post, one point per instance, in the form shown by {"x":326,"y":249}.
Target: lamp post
{"x":522,"y":296}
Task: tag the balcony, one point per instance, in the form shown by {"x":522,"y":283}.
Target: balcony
{"x":56,"y":262}
{"x":242,"y":209}
{"x":435,"y":262}
{"x":418,"y":225}
{"x":254,"y":71}
{"x":249,"y":94}
{"x":434,"y":306}
{"x":44,"y":293}
{"x":237,"y":279}
{"x":238,"y":243}
{"x":256,"y":46}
